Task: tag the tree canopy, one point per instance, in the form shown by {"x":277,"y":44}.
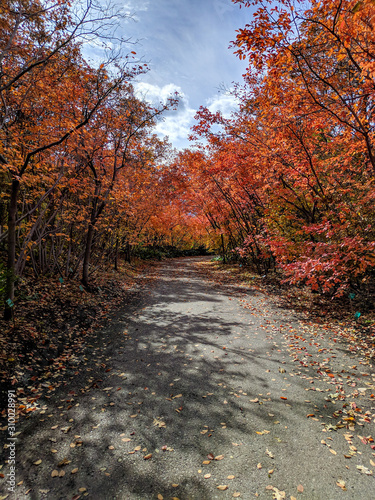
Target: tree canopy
{"x":287,"y":182}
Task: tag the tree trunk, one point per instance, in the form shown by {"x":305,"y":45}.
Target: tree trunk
{"x":86,"y":259}
{"x":223,"y":246}
{"x":95,"y":214}
{"x":127,"y":252}
{"x":116,"y":253}
{"x":11,"y":261}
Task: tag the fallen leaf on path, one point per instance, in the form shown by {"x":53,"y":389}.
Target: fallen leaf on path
{"x":364,"y":470}
{"x":126,"y":440}
{"x":160,"y":497}
{"x":330,"y":427}
{"x":222,"y":487}
{"x":277,"y":494}
{"x":219,"y":457}
{"x":210,"y":456}
{"x":206,"y":462}
{"x":63,"y":462}
{"x":300,"y":488}
{"x":236,"y":494}
{"x":333,"y":451}
{"x":231,"y":477}
{"x":341,"y":484}
{"x":38,"y":462}
{"x":74,"y":471}
{"x":207,"y":476}
{"x":54,"y":473}
{"x":159,"y":423}
{"x":271,"y":455}
{"x":259,"y":466}
{"x":147,"y":457}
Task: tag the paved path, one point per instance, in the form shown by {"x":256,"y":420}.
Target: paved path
{"x":200,"y":372}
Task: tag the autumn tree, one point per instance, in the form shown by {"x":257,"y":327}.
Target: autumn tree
{"x":41,"y":69}
{"x":301,"y":144}
{"x":122,"y":156}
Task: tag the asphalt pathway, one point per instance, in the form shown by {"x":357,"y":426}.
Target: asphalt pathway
{"x":201,"y":390}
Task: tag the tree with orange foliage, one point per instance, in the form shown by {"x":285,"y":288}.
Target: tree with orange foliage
{"x":304,"y":132}
{"x":41,"y":69}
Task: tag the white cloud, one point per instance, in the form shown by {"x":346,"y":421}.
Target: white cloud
{"x":225,"y":103}
{"x":177,"y":127}
{"x":131,"y":8}
{"x":155,"y":94}
{"x":176,"y":124}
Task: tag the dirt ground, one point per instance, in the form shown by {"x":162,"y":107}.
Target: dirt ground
{"x":201,"y":388}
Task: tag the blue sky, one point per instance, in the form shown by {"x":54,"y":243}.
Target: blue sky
{"x":185,"y":43}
